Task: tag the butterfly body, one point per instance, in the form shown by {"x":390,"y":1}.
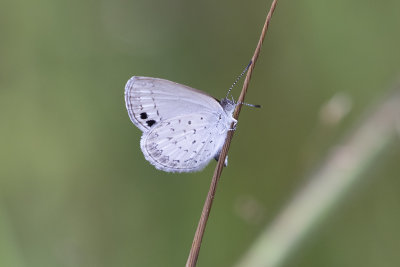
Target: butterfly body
{"x":183,"y":128}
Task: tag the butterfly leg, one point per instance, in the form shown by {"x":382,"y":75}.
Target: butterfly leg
{"x":234,"y":125}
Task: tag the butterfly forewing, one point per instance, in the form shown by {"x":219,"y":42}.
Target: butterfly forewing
{"x":183,"y":143}
{"x":151,"y":100}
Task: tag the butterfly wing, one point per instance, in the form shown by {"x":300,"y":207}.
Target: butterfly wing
{"x":151,"y":100}
{"x":184,"y":143}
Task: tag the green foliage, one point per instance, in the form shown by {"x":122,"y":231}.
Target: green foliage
{"x":75,"y":189}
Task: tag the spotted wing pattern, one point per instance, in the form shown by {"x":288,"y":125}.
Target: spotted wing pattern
{"x":151,"y":100}
{"x":184,"y":143}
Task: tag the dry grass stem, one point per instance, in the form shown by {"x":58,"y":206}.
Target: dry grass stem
{"x":194,"y":252}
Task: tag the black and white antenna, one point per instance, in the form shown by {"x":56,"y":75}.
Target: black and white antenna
{"x":238,"y":78}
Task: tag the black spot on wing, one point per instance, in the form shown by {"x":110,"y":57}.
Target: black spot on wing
{"x":150,"y":122}
{"x":143,"y":115}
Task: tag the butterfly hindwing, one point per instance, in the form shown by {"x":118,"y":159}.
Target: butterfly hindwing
{"x":183,"y":143}
{"x":151,"y":100}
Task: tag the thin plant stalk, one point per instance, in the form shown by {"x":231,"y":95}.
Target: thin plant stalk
{"x":195,"y":249}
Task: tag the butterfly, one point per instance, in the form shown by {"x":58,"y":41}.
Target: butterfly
{"x":183,"y":128}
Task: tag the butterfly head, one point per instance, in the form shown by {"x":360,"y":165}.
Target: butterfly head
{"x":228,"y":105}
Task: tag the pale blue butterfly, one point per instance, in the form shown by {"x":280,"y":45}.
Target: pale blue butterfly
{"x":183,"y":128}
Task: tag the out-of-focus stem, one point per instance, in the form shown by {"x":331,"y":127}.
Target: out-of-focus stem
{"x":341,"y":170}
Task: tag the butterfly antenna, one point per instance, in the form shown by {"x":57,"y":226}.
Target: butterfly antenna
{"x":251,"y":105}
{"x":238,"y":78}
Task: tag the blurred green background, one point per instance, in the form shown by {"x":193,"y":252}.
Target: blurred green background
{"x":75,"y":189}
